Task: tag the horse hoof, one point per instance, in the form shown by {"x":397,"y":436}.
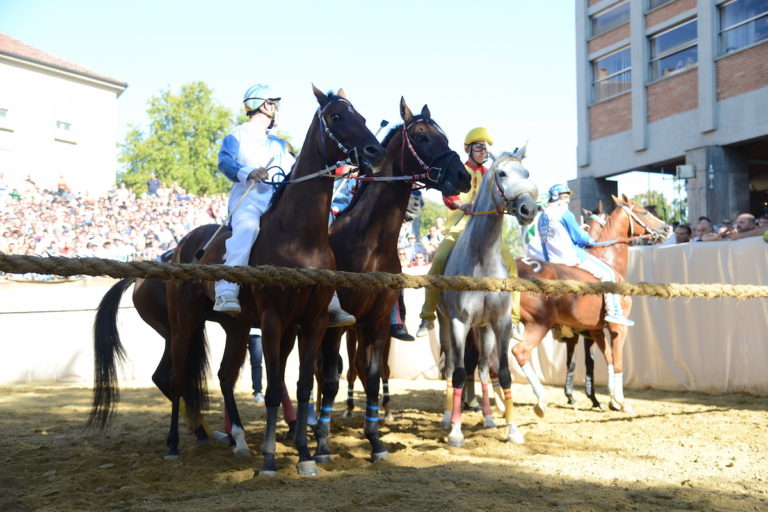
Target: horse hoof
{"x":489,"y":423}
{"x":172,"y":456}
{"x":598,"y":406}
{"x":572,"y":401}
{"x":307,"y":468}
{"x":456,"y":442}
{"x":267,"y":472}
{"x":221,"y":437}
{"x":388,"y":417}
{"x":379,"y":456}
{"x":242,"y":452}
{"x":540,"y":409}
{"x":346,"y":414}
{"x":514,"y":435}
{"x":323,"y":459}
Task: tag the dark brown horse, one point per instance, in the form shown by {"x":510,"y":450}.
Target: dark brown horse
{"x":585,"y":312}
{"x":293,"y":234}
{"x":364,"y":239}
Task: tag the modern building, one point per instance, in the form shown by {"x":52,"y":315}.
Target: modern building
{"x":57,"y":119}
{"x":675,"y":86}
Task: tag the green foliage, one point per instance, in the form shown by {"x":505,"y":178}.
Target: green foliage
{"x":429,"y":212}
{"x":183,"y":142}
{"x":657,"y":200}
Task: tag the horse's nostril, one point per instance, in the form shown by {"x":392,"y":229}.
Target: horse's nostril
{"x":371,"y":150}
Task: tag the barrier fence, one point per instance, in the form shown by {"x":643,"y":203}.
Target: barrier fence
{"x":268,"y":275}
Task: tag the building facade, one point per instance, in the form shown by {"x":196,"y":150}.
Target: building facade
{"x":58,"y":120}
{"x":675,"y":86}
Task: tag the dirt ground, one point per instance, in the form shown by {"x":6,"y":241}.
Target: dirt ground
{"x":681,"y":451}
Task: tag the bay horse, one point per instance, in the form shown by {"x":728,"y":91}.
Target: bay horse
{"x":294,"y":234}
{"x":539,"y":312}
{"x":364,"y":239}
{"x":505,"y":188}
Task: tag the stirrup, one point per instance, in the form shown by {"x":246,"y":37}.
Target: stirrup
{"x":619,"y":319}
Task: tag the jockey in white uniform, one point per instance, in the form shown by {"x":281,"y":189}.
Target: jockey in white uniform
{"x":562,"y":242}
{"x":249,"y":153}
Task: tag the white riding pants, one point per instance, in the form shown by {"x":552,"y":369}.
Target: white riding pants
{"x":245,"y":223}
{"x":604,"y":273}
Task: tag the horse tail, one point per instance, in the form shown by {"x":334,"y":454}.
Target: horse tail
{"x":107,"y":348}
{"x":195,"y":390}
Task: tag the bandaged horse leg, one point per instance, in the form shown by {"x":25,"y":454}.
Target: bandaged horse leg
{"x":455,"y":437}
{"x":498,"y":399}
{"x":610,"y":380}
{"x":289,"y":412}
{"x":513,"y":432}
{"x":447,"y":405}
{"x":541,"y":395}
{"x":487,"y":342}
{"x":386,"y":400}
{"x":486,"y":406}
{"x":350,"y":399}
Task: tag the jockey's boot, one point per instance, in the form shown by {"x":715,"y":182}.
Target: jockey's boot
{"x":424,"y":327}
{"x":613,"y":312}
{"x":399,"y":331}
{"x":227,"y":303}
{"x":340,"y":318}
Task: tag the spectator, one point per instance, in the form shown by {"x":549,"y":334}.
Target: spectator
{"x":419,"y":259}
{"x":744,"y":227}
{"x":431,"y":240}
{"x":682,"y":233}
{"x":762,"y":222}
{"x":153,"y":185}
{"x":703,"y":229}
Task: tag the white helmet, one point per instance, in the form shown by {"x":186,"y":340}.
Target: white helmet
{"x":256,"y":95}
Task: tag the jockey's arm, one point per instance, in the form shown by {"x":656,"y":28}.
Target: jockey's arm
{"x":228,"y":165}
{"x":577,"y":234}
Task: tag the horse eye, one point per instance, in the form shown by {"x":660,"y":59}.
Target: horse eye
{"x":502,"y":174}
{"x":420,"y":138}
{"x":335,"y":117}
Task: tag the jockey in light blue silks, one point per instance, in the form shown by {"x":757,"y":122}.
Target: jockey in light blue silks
{"x":562,"y":241}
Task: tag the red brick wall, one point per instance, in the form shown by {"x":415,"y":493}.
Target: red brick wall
{"x":742,"y":72}
{"x":667,"y":11}
{"x":673,"y":95}
{"x":610,"y":116}
{"x":610,"y":37}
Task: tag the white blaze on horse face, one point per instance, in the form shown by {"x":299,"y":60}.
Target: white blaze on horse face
{"x":519,"y":184}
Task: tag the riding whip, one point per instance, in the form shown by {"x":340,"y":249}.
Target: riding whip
{"x":199,"y":254}
{"x":384,"y":123}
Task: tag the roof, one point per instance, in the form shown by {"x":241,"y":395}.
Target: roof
{"x":14,"y":48}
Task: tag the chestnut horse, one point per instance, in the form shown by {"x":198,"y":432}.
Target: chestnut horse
{"x":294,"y":234}
{"x":364,"y":239}
{"x":539,"y":312}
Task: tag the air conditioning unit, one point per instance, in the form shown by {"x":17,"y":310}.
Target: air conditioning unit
{"x":685,"y":172}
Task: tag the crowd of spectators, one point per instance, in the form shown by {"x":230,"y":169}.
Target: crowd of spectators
{"x":118,"y":225}
{"x":743,"y":225}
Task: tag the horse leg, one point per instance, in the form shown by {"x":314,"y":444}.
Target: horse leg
{"x":447,"y":350}
{"x":618,"y":335}
{"x":570,"y":346}
{"x":310,"y":340}
{"x":233,"y":358}
{"x":330,"y":378}
{"x":505,"y":380}
{"x":534,"y":333}
{"x":351,"y":372}
{"x":589,"y":364}
{"x":270,"y":339}
{"x":471,"y":355}
{"x":487,"y":340}
{"x":386,"y":400}
{"x":458,"y":335}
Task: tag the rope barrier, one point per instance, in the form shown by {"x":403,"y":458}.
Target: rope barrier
{"x":268,"y":275}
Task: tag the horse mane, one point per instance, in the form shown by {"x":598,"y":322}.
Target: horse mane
{"x":283,"y":185}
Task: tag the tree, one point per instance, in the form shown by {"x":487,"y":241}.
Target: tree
{"x":657,"y":200}
{"x":182,"y":145}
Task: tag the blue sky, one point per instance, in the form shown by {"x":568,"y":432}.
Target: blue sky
{"x":506,"y":65}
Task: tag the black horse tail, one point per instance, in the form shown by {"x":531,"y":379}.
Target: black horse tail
{"x":107,"y":349}
{"x":195,"y":389}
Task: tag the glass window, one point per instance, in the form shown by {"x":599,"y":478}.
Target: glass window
{"x":674,"y":50}
{"x":611,"y":75}
{"x":63,"y":125}
{"x":742,"y":23}
{"x":652,"y":4}
{"x":3,"y":112}
{"x":610,"y":19}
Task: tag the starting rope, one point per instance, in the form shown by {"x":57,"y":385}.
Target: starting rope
{"x":268,"y":275}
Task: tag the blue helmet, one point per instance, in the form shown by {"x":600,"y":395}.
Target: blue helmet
{"x":556,"y":190}
{"x":256,"y":95}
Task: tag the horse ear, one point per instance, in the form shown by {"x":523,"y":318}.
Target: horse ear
{"x":322,"y":99}
{"x":341,"y":94}
{"x":520,"y":152}
{"x":600,"y":207}
{"x":586,"y":212}
{"x":615,"y":199}
{"x":425,"y":112}
{"x":405,"y":112}
{"x":625,"y":198}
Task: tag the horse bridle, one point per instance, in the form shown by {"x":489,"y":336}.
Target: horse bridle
{"x":503,"y":208}
{"x":432,"y":166}
{"x":351,"y":154}
{"x":633,"y":216}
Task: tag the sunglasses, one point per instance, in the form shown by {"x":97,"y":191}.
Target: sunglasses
{"x":479,"y":147}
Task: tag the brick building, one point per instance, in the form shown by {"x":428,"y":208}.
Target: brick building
{"x":57,"y":119}
{"x":679,"y":86}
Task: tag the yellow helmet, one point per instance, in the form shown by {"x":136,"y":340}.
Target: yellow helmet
{"x":476,"y":135}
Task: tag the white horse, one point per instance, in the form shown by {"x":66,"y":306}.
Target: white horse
{"x":478,"y":253}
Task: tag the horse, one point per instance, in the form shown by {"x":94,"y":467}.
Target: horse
{"x":478,"y":253}
{"x":293,"y":234}
{"x":364,"y":239}
{"x":539,"y":312}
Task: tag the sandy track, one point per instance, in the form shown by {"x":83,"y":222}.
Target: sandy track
{"x":682,"y":451}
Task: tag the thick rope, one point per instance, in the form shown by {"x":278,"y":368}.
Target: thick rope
{"x":268,"y":275}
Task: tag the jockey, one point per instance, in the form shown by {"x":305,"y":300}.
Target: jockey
{"x":562,"y":241}
{"x":250,"y":154}
{"x":476,"y":145}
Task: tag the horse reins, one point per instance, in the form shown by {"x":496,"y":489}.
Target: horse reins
{"x":499,"y":210}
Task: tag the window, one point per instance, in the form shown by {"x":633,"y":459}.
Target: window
{"x":652,"y":4}
{"x":611,"y":75}
{"x":3,"y":113}
{"x":610,"y":19}
{"x":674,"y":50}
{"x":63,"y":125}
{"x":742,"y":23}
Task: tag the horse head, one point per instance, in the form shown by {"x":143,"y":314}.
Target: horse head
{"x":423,"y":146}
{"x":343,"y":133}
{"x":512,"y":186}
{"x":641,"y":221}
{"x":595,"y":220}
